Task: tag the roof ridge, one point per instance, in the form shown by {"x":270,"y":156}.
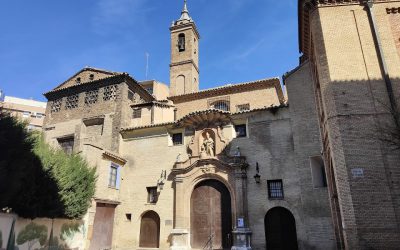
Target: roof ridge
{"x":226,"y":86}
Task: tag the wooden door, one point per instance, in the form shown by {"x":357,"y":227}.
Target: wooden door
{"x":211,"y":217}
{"x":150,"y":230}
{"x":102,"y":227}
{"x":280,"y":229}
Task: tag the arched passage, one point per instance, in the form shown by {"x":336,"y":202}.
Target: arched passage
{"x":150,"y":230}
{"x":280,"y":229}
{"x":211,"y":216}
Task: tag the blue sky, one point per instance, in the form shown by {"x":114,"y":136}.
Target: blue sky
{"x":44,"y":42}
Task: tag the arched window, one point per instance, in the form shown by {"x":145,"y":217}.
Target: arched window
{"x":180,"y":85}
{"x":150,"y":230}
{"x":221,"y":105}
{"x":181,"y":42}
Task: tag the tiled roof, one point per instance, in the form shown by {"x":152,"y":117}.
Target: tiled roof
{"x":227,"y":87}
{"x":208,"y":111}
{"x":123,"y":76}
{"x":147,"y":126}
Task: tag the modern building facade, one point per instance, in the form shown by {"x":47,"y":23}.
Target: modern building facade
{"x":25,"y":109}
{"x":239,"y":166}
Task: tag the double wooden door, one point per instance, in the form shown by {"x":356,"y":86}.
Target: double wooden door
{"x":211,"y":216}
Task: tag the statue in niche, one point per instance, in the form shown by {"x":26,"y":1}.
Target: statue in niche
{"x":207,"y":147}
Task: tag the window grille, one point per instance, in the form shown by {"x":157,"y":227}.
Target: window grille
{"x":177,"y":139}
{"x":243,"y":107}
{"x":112,"y":182}
{"x":67,"y":144}
{"x":275,"y":189}
{"x":152,"y":195}
{"x":137,"y":113}
{"x":91,"y":97}
{"x":72,"y":102}
{"x":56,"y":106}
{"x":110,"y":93}
{"x":221,"y":103}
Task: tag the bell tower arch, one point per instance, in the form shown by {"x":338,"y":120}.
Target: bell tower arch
{"x":184,"y":67}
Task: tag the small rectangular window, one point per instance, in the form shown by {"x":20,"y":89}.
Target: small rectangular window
{"x":137,"y":113}
{"x":150,"y":90}
{"x":112,"y":181}
{"x":243,"y":107}
{"x":318,"y":172}
{"x":177,"y":139}
{"x":152,"y":194}
{"x":241,"y":130}
{"x":26,"y":114}
{"x":67,"y":144}
{"x":275,"y":189}
{"x":130,"y":95}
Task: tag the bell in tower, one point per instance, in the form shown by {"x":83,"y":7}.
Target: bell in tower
{"x":184,"y":67}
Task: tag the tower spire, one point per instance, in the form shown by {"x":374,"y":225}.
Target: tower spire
{"x":185,"y":13}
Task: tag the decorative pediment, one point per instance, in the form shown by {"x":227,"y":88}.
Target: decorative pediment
{"x":86,"y":75}
{"x":204,"y":119}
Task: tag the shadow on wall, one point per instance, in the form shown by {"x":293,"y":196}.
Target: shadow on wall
{"x":43,"y":233}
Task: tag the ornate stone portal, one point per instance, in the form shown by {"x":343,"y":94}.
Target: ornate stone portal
{"x":208,"y":160}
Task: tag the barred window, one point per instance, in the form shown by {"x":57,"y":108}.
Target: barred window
{"x":110,"y":92}
{"x":137,"y":113}
{"x":72,"y":102}
{"x":56,"y":106}
{"x":112,"y":181}
{"x":177,"y":139}
{"x":152,"y":194}
{"x":275,"y":189}
{"x":221,"y":103}
{"x":243,"y":107}
{"x":91,"y":97}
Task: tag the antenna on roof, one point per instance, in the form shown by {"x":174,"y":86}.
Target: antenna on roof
{"x":147,"y":64}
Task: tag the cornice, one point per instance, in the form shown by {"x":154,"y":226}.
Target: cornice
{"x":185,"y":62}
{"x":190,"y":25}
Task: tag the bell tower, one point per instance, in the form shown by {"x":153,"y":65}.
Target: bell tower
{"x":184,"y":67}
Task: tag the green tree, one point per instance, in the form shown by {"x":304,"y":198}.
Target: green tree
{"x":31,"y":234}
{"x":38,"y":181}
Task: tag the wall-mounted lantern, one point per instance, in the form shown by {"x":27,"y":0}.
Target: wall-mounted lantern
{"x":257,"y":177}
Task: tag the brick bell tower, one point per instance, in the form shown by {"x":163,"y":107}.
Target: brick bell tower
{"x":184,"y":67}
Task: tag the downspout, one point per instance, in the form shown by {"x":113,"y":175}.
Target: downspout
{"x":381,"y":58}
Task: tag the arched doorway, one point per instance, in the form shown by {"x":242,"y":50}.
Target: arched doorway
{"x":150,"y":230}
{"x":280,"y":229}
{"x":211,"y":216}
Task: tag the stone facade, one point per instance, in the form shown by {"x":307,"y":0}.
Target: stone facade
{"x":171,"y":162}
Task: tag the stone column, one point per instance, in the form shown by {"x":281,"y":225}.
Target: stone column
{"x":180,"y":233}
{"x":241,"y":232}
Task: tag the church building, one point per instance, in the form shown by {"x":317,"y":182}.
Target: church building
{"x":238,"y":166}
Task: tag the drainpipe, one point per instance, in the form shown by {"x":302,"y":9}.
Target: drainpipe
{"x":381,"y":58}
